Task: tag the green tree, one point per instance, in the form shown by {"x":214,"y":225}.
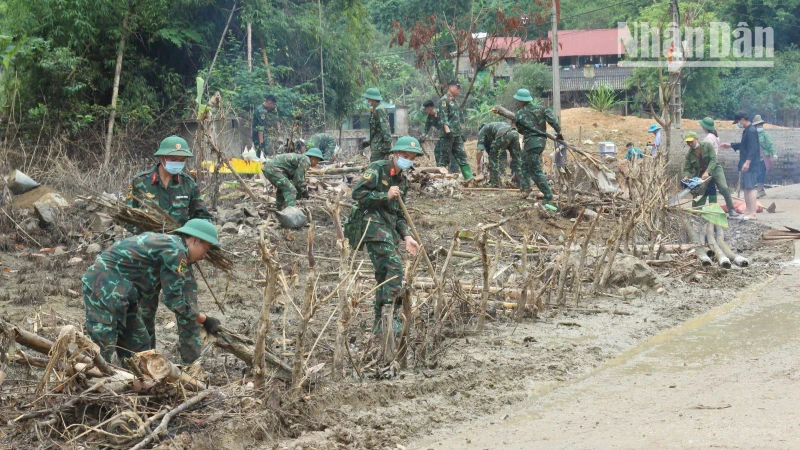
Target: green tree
{"x":534,"y":76}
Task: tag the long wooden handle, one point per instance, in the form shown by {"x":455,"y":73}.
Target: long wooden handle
{"x":419,"y":241}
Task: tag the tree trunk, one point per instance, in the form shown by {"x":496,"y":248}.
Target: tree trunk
{"x":114,"y":93}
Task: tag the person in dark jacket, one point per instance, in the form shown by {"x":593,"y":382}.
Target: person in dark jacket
{"x":749,"y":161}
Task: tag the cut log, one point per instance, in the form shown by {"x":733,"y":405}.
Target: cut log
{"x":470,"y":287}
{"x":240,"y":348}
{"x":336,"y":170}
{"x":499,"y":110}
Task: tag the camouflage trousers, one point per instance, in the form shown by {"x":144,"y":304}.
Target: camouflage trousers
{"x":443,"y":159}
{"x":261,"y":149}
{"x":453,"y":153}
{"x":508,"y":141}
{"x":532,"y":170}
{"x":286,"y":192}
{"x":379,"y":154}
{"x":387,"y":264}
{"x":112,"y":321}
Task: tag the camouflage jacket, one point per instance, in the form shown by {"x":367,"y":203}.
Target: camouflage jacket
{"x":132,"y":268}
{"x":325,"y":142}
{"x":260,"y":122}
{"x":450,"y":115}
{"x":380,"y":134}
{"x":291,"y":165}
{"x":489,"y":132}
{"x":694,"y":166}
{"x":432,"y":122}
{"x":181,"y":199}
{"x":531,"y":121}
{"x":386,"y":219}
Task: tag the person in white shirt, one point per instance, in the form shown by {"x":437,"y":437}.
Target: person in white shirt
{"x":707,"y":124}
{"x":656,"y":148}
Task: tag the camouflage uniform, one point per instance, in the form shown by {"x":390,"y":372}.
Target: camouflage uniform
{"x":130,"y":270}
{"x":387,"y":226}
{"x":380,"y":134}
{"x":261,"y":123}
{"x":433,"y":122}
{"x":287,"y":172}
{"x":499,"y":137}
{"x":453,"y":153}
{"x":325,"y":143}
{"x":532,"y":123}
{"x":182,"y":200}
{"x":695,"y":166}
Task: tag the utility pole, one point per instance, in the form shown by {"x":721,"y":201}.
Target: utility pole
{"x":556,"y":75}
{"x":675,"y":67}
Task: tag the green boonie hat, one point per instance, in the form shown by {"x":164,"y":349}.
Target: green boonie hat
{"x":174,"y":146}
{"x":708,"y":124}
{"x":373,"y":94}
{"x":690,"y":136}
{"x":454,"y":82}
{"x":408,"y":144}
{"x":315,"y":152}
{"x":201,"y":229}
{"x":523,"y":95}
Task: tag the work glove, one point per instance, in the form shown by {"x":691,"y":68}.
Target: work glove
{"x":560,"y":137}
{"x":212,"y":325}
{"x":364,"y":145}
{"x":303,"y":194}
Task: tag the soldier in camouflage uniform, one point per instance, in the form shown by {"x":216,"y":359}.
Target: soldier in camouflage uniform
{"x":450,"y":117}
{"x":167,"y":188}
{"x":375,"y":194}
{"x":432,"y":122}
{"x":531,"y":121}
{"x":135,"y":268}
{"x":325,"y":143}
{"x":499,"y":137}
{"x":287,"y":172}
{"x":261,"y":125}
{"x":380,"y":134}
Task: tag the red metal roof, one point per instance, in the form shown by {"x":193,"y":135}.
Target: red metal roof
{"x":590,"y":42}
{"x":570,"y":42}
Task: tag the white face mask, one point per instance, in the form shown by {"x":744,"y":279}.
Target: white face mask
{"x":174,"y":167}
{"x":403,"y":163}
{"x":759,"y":130}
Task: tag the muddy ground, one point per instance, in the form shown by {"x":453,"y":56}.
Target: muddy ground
{"x":467,"y":376}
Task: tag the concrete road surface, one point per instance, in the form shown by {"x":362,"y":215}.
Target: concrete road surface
{"x":727,"y":379}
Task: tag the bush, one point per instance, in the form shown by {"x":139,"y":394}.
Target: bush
{"x":602,"y":98}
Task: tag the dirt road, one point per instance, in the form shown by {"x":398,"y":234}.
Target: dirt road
{"x":729,"y":378}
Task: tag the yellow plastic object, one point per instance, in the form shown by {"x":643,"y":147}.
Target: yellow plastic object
{"x":239,"y":165}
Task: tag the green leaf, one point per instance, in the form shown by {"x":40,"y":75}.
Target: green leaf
{"x":714,"y":214}
{"x":200,"y":85}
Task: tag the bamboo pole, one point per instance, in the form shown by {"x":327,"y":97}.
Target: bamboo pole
{"x":437,"y":298}
{"x":271,"y":278}
{"x":485,"y":293}
{"x":306,"y":312}
{"x":524,"y":297}
{"x":345,"y":310}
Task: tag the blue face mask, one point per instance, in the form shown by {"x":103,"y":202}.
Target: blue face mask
{"x":759,"y":130}
{"x":404,"y":164}
{"x":738,"y":125}
{"x":174,"y":167}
